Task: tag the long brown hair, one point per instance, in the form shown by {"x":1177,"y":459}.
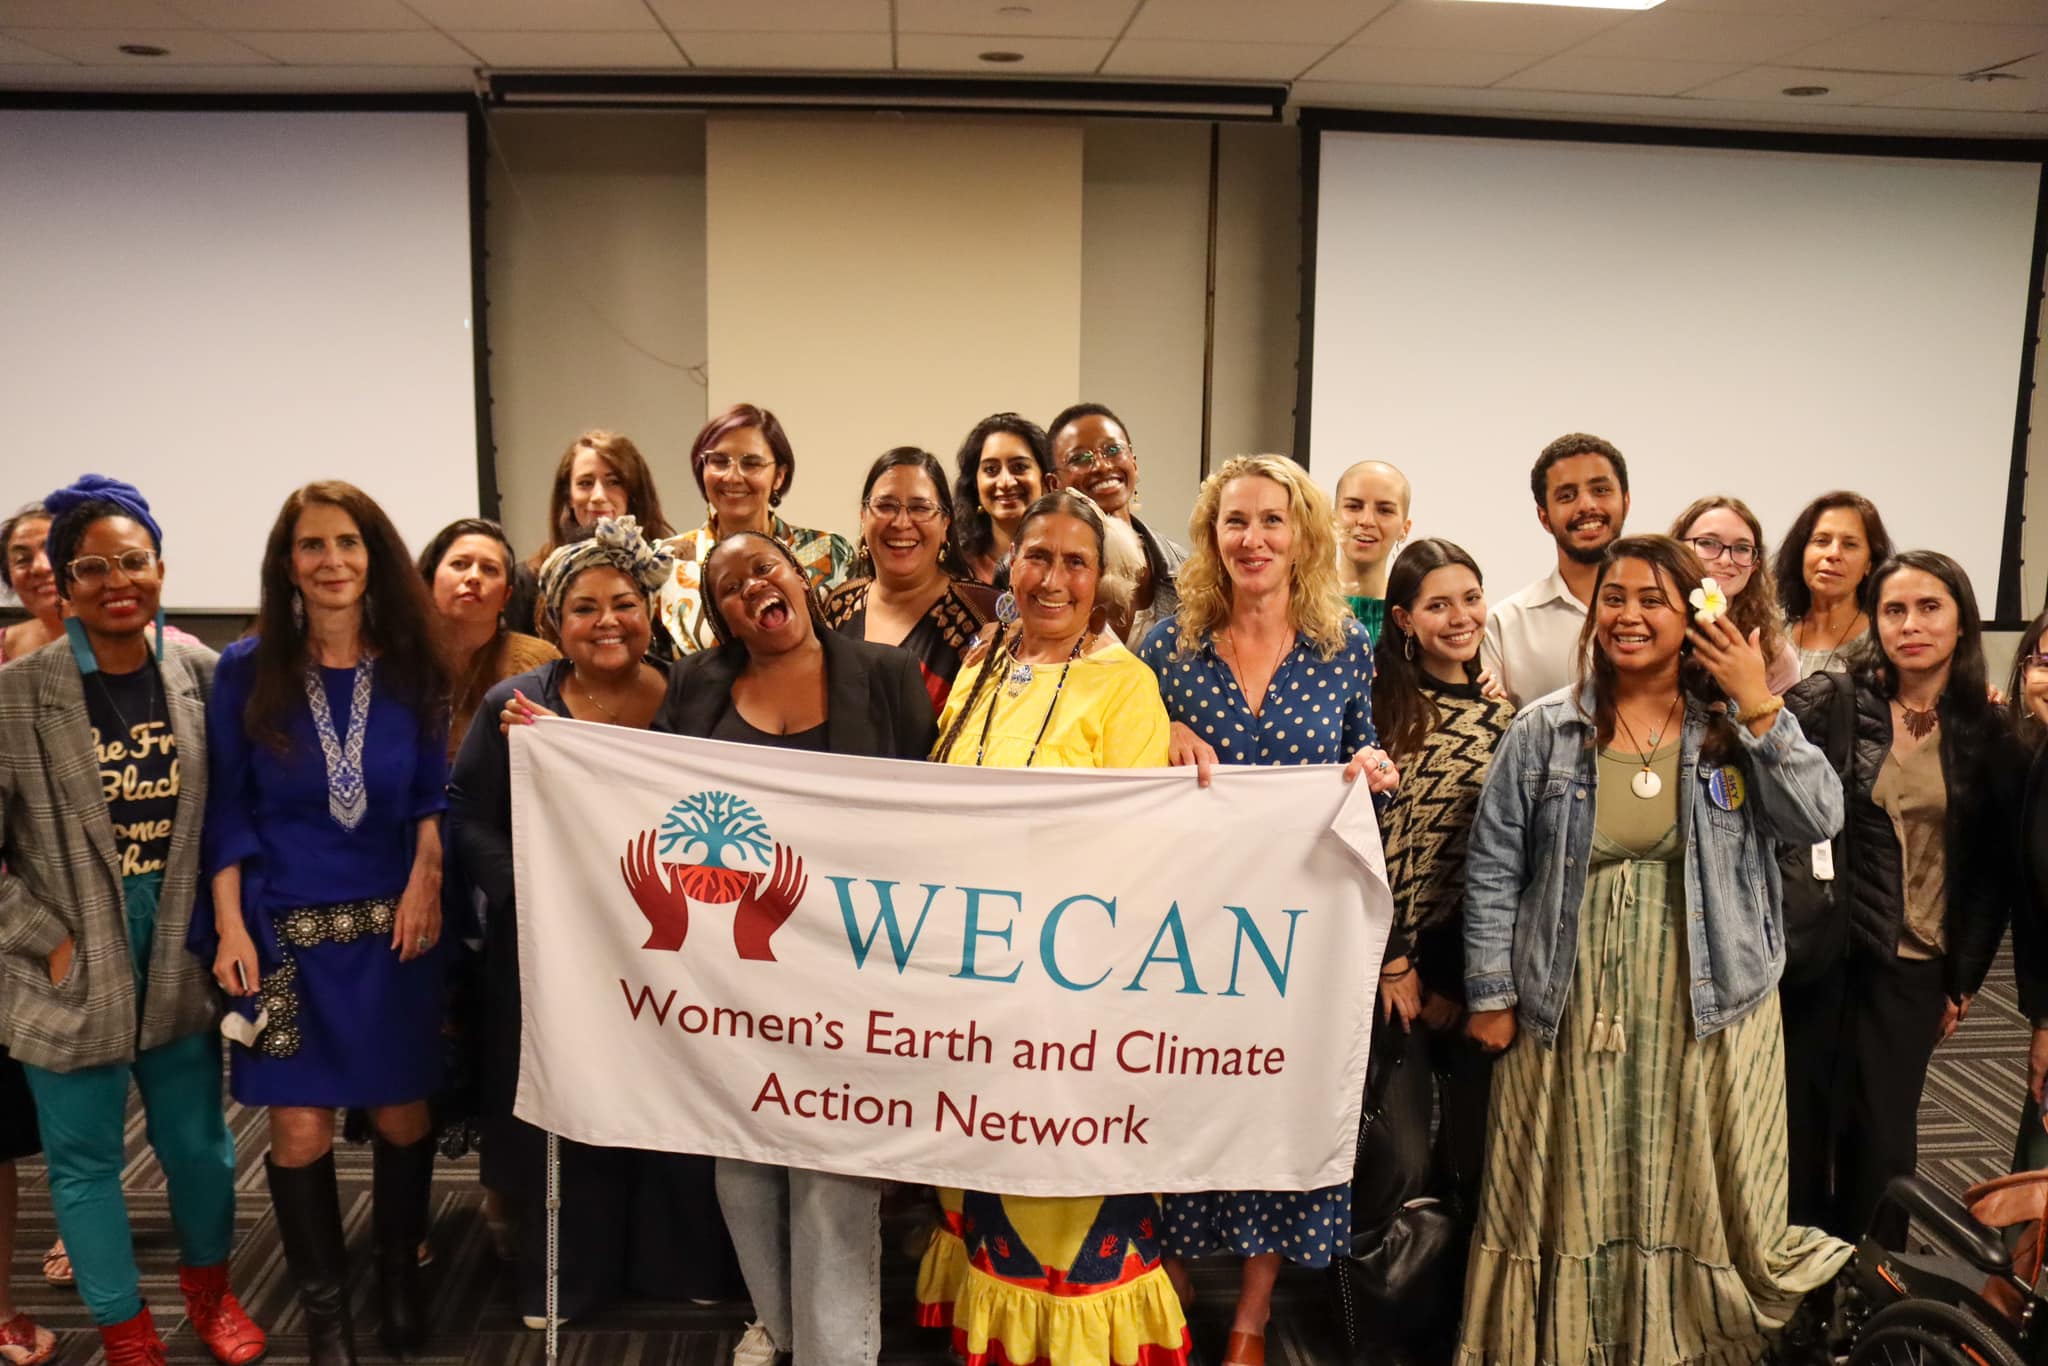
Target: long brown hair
{"x":397,"y":617}
{"x":1403,"y":712}
{"x":642,"y":501}
{"x":1756,"y":607}
{"x":1673,"y":561}
{"x":469,"y":678}
{"x":1793,"y":593}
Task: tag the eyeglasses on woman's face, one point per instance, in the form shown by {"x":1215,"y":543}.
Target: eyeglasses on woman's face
{"x":2033,"y":663}
{"x":718,"y":462}
{"x":92,"y":570}
{"x":1082,"y":458}
{"x":1741,"y":554}
{"x":919,"y":510}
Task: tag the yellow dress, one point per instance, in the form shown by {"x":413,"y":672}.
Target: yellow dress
{"x":1064,"y":1280}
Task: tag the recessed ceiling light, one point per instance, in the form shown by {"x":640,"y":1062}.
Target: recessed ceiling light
{"x":1804,"y":92}
{"x":1015,"y":11}
{"x":1574,"y":4}
{"x":145,"y":50}
{"x":1002,"y":56}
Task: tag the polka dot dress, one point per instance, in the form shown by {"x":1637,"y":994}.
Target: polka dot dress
{"x":1316,"y":711}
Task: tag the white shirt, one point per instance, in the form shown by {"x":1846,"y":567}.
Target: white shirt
{"x":1532,"y":639}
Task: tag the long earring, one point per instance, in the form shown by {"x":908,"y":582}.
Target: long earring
{"x":863,"y":562}
{"x":1408,"y":645}
{"x":298,"y":609}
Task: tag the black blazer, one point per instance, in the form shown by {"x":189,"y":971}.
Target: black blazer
{"x":875,"y":699}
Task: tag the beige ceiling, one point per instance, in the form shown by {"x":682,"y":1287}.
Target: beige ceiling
{"x":1904,"y":65}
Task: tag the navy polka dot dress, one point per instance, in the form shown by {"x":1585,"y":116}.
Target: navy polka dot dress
{"x":1316,"y":711}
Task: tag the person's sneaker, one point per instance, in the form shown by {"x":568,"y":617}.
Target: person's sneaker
{"x":755,"y":1348}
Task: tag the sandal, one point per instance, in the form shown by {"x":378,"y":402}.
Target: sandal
{"x":57,"y":1265}
{"x":24,"y":1342}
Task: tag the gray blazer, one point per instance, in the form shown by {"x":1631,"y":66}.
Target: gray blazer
{"x":62,"y":875}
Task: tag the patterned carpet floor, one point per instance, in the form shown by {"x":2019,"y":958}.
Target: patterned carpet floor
{"x":1966,"y":1128}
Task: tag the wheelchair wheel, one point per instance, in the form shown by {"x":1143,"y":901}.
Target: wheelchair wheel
{"x":1930,"y":1333}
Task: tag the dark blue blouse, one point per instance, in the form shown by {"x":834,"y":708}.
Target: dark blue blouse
{"x":1317,"y":711}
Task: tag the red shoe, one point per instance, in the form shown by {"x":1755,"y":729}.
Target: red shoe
{"x":23,"y":1343}
{"x":133,"y":1343}
{"x":217,"y":1316}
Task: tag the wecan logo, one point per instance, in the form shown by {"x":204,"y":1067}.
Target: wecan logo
{"x":713,"y":848}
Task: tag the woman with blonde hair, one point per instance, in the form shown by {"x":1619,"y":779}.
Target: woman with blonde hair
{"x":1729,"y":540}
{"x":1264,"y":664}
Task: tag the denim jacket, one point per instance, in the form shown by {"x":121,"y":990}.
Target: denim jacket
{"x":1532,"y":838}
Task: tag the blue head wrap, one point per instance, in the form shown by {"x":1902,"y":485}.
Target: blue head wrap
{"x":102,"y":488}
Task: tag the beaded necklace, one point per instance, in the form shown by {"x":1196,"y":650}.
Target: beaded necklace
{"x":1020,"y":678}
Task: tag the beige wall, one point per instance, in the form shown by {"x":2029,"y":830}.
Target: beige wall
{"x":596,"y":287}
{"x":881,"y":282}
{"x":607,"y":235}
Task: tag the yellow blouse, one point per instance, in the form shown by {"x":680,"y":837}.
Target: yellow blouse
{"x":1109,"y":715}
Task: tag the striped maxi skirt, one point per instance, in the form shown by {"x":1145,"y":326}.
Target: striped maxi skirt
{"x":1634,"y":1201}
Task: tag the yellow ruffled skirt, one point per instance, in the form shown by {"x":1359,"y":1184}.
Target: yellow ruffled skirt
{"x":1066,"y":1281}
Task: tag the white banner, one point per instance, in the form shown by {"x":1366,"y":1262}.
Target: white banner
{"x":1039,"y":982}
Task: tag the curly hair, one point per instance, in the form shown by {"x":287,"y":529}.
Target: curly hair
{"x":642,"y":501}
{"x":1314,"y":606}
{"x":1564,"y":448}
{"x":1756,"y":607}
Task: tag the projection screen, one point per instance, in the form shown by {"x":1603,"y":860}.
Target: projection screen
{"x":1762,"y":323}
{"x":220,"y":306}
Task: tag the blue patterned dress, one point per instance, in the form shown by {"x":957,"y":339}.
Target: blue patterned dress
{"x":1317,"y":711}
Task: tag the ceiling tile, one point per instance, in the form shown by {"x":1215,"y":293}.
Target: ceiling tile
{"x":186,"y":47}
{"x":613,"y":50}
{"x":1982,"y":11}
{"x":89,"y":14}
{"x":1617,"y":75}
{"x":2018,"y":96}
{"x":1268,"y":21}
{"x":1212,"y":61}
{"x":1768,"y":83}
{"x":1687,"y":35}
{"x":288,"y":79}
{"x":422,"y":47}
{"x":1043,"y":18}
{"x":321,"y":15}
{"x":1537,"y":30}
{"x":788,"y":51}
{"x":543,"y":16}
{"x":1400,"y":66}
{"x":1918,"y":45}
{"x":782,"y":16}
{"x":956,"y":52}
{"x":15,"y":52}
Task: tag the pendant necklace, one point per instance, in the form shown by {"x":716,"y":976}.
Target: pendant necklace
{"x":1646,"y":784}
{"x":1016,"y":687}
{"x":1243,"y":671}
{"x":1920,"y":724}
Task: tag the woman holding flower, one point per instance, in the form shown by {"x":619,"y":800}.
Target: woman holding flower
{"x":1729,"y":540}
{"x":1621,"y":912}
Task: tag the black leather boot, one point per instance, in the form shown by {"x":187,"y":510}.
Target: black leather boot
{"x":309,"y":1224}
{"x":401,"y":1182}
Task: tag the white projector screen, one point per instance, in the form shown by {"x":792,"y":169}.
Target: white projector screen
{"x":221,"y":306}
{"x":1764,"y":324}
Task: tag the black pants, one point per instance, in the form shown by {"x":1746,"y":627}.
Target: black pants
{"x":1814,"y":1045}
{"x":1889,"y":1013}
{"x":1414,"y":1072}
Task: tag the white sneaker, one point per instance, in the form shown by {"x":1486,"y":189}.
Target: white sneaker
{"x":755,"y":1348}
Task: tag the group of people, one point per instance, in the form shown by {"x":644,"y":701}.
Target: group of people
{"x":1605,"y":1045}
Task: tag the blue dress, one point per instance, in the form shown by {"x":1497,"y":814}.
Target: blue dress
{"x":1317,"y":711}
{"x":349,"y":1024}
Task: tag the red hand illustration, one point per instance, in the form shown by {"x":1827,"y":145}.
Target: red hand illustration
{"x":767,"y":903}
{"x":659,"y":897}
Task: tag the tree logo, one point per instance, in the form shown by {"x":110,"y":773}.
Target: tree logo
{"x":713,"y":848}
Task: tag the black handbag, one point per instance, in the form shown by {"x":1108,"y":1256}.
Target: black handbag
{"x":1815,"y":913}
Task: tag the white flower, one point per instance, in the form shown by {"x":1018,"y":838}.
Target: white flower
{"x":1709,"y":603}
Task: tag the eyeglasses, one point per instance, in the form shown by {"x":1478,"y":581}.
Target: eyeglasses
{"x":1741,"y":554}
{"x":1083,"y":458}
{"x":720,"y":463}
{"x":919,"y":510}
{"x":23,"y":558}
{"x":2033,"y":662}
{"x":93,"y":569}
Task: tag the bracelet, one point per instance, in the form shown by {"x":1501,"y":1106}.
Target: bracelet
{"x":1408,"y":971}
{"x":1768,"y":707}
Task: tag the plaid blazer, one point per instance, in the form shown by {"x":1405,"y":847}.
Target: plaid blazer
{"x":62,"y":875}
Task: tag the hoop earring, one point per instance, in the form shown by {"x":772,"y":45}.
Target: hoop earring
{"x":298,"y":609}
{"x":1408,"y":645}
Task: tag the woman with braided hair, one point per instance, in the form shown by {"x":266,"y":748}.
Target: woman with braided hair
{"x":1077,"y":1279}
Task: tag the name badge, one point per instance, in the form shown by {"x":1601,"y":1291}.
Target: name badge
{"x":1824,"y":861}
{"x":1725,"y":788}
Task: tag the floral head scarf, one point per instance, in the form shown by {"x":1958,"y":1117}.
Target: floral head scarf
{"x":614,"y":541}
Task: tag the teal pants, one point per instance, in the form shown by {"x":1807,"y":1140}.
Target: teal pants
{"x":82,"y":1116}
